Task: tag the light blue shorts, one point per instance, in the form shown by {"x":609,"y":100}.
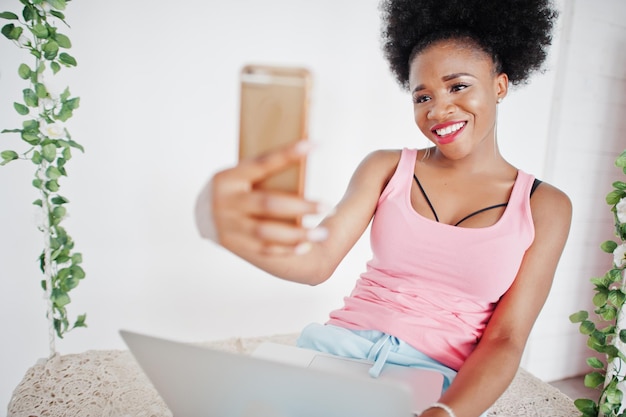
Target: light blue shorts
{"x":371,"y":345}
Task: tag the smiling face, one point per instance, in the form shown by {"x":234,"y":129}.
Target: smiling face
{"x":455,"y":91}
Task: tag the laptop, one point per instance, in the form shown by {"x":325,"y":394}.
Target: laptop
{"x":196,"y":381}
{"x":424,"y":385}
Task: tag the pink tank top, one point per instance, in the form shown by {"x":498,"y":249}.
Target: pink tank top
{"x":434,"y":285}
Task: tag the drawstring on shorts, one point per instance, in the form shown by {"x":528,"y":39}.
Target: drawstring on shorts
{"x":380,"y":352}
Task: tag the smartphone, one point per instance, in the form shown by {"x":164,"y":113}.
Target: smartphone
{"x":274,"y":112}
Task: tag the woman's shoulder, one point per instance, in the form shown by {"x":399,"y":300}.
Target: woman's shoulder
{"x":550,"y":206}
{"x":382,"y":163}
{"x":377,"y":168}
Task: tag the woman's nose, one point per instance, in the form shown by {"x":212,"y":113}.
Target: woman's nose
{"x":440,"y":109}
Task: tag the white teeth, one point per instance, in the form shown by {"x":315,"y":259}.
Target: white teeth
{"x":450,"y":129}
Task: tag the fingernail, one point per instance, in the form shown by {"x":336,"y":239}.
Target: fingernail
{"x":303,"y":147}
{"x":302,"y":248}
{"x":318,"y":234}
{"x":323,"y":208}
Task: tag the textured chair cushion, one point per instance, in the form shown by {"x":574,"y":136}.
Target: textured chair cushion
{"x":107,"y":383}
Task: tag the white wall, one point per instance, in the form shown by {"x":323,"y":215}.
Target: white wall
{"x":158,"y":88}
{"x":586,"y":134}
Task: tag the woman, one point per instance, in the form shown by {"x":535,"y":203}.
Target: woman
{"x":465,"y":245}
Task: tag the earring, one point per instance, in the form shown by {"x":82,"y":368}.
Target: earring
{"x":499,"y":100}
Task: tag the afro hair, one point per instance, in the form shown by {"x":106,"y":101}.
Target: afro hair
{"x":515,"y":33}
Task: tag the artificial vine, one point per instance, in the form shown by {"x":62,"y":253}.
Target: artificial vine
{"x":606,"y":335}
{"x":49,"y":147}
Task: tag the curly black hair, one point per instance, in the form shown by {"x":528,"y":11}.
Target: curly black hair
{"x":515,"y":33}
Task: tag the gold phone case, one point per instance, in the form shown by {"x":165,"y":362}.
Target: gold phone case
{"x":274,"y":111}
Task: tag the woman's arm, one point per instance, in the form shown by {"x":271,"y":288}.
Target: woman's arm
{"x":247,"y":221}
{"x":489,"y":370}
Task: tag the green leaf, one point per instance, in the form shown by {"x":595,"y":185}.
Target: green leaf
{"x":606,"y":409}
{"x":600,"y":299}
{"x":60,"y":326}
{"x":49,"y":152}
{"x":30,"y":124}
{"x":619,"y":185}
{"x":21,"y":109}
{"x":595,"y":363}
{"x":620,"y":162}
{"x":63,"y":41}
{"x":611,"y":352}
{"x":579,"y":316}
{"x":608,"y":246}
{"x":30,"y":137}
{"x":12,"y":32}
{"x":58,"y":14}
{"x":65,"y":94}
{"x":29,"y":13}
{"x":53,"y":173}
{"x":36,"y":158}
{"x":59,"y":200}
{"x":614,"y":396}
{"x":38,"y":202}
{"x":57,"y":4}
{"x":67,"y":154}
{"x":40,"y":90}
{"x":59,"y":212}
{"x":594,"y":379}
{"x":9,"y":16}
{"x":81,"y":321}
{"x":30,"y":98}
{"x":55,"y":67}
{"x":614,"y":197}
{"x":622,"y":336}
{"x":59,"y":298}
{"x":72,"y":103}
{"x":67,"y":59}
{"x":37,"y":183}
{"x":50,"y":50}
{"x":76,"y":145}
{"x":8,"y":156}
{"x":587,"y":327}
{"x":587,"y":407}
{"x":24,"y":71}
{"x":70,"y":283}
{"x":52,"y":185}
{"x":594,"y":344}
{"x":608,"y":313}
{"x":78,"y":272}
{"x":617,"y":297}
{"x":40,"y":30}
{"x":64,"y":114}
{"x":77,"y":258}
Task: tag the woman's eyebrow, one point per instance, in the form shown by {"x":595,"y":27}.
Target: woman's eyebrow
{"x":457,"y":75}
{"x":445,"y":78}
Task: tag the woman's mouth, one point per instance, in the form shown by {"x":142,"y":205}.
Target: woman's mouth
{"x":448,"y":132}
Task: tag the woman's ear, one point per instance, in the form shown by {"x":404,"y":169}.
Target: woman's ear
{"x":502,"y":86}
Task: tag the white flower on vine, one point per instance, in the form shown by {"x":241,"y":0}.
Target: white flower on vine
{"x":47,"y":103}
{"x":54,"y":130}
{"x":620,"y":209}
{"x":619,"y":256}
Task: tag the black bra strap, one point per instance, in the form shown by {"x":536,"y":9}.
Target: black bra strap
{"x":426,"y":197}
{"x":536,"y":184}
{"x":480,"y":211}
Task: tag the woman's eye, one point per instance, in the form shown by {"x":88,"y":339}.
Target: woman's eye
{"x":420,"y":99}
{"x":459,"y":87}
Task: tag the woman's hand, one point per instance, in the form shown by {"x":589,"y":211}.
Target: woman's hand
{"x":245,"y":220}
